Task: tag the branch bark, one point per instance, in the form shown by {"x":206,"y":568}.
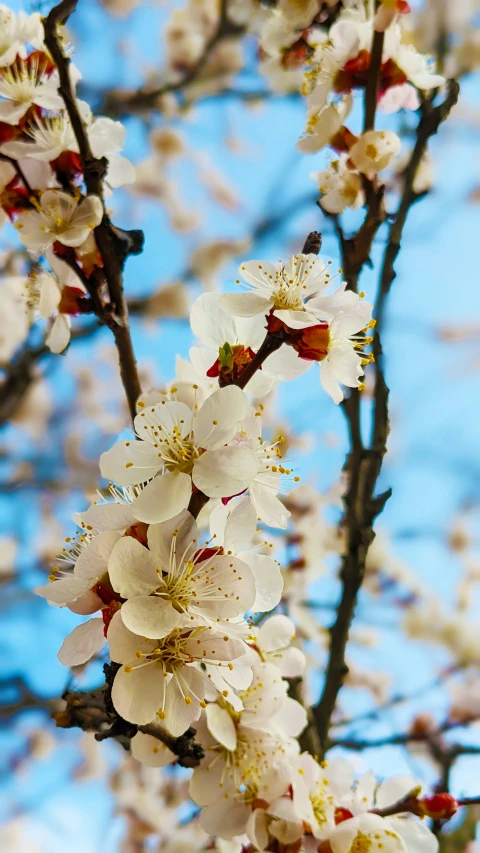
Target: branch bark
{"x":113,"y":244}
{"x":363,"y":463}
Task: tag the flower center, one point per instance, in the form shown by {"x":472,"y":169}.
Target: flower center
{"x":361,"y":843}
{"x":179,"y":453}
{"x":320,"y":802}
{"x":180,"y":590}
{"x":170,"y":651}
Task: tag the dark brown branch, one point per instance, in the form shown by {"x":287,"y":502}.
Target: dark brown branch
{"x":114,"y":245}
{"x":19,"y":171}
{"x":371,"y":92}
{"x":93,"y":711}
{"x":363,"y":464}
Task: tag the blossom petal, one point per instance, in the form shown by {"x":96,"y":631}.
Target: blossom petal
{"x":225,"y":819}
{"x":240,"y":526}
{"x":225,"y":472}
{"x":150,"y":616}
{"x":58,"y":337}
{"x":123,"y":644}
{"x":415,"y":835}
{"x":150,"y":751}
{"x":269,"y":508}
{"x":167,"y":415}
{"x":245,"y":304}
{"x":103,"y":517}
{"x":268,"y":581}
{"x":132,"y":569}
{"x":93,"y":559}
{"x":394,"y":789}
{"x":277,"y":632}
{"x":130,"y":462}
{"x":62,"y":591}
{"x":137,"y":694}
{"x":163,"y":498}
{"x":217,"y":421}
{"x":221,"y":726}
{"x":180,"y":714}
{"x":82,"y":643}
{"x":183,"y":527}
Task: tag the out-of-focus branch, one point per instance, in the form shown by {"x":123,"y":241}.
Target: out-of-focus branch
{"x":19,"y":375}
{"x":25,"y":697}
{"x":114,"y":245}
{"x":120,"y":103}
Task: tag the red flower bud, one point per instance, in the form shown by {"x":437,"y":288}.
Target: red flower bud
{"x":438,"y":806}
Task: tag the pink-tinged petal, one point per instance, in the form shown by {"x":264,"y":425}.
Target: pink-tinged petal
{"x":150,"y":751}
{"x":86,"y":604}
{"x":163,"y":498}
{"x":63,"y":591}
{"x":130,"y":462}
{"x":82,"y":643}
{"x":225,"y":472}
{"x":245,"y":304}
{"x":138,"y":693}
{"x":150,"y":616}
{"x":218,"y":419}
{"x":132,"y":568}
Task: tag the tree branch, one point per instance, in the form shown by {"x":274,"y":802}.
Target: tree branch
{"x":363,"y":464}
{"x":114,"y":245}
{"x":121,"y":103}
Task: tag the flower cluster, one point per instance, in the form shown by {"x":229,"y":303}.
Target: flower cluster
{"x":334,"y":55}
{"x":41,"y":174}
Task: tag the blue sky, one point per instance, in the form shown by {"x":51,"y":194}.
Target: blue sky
{"x":434,"y":463}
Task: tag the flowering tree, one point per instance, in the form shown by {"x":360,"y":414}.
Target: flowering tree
{"x":197,"y":563}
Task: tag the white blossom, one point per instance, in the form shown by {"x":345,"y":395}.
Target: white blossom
{"x":183,"y":446}
{"x":59,"y":217}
